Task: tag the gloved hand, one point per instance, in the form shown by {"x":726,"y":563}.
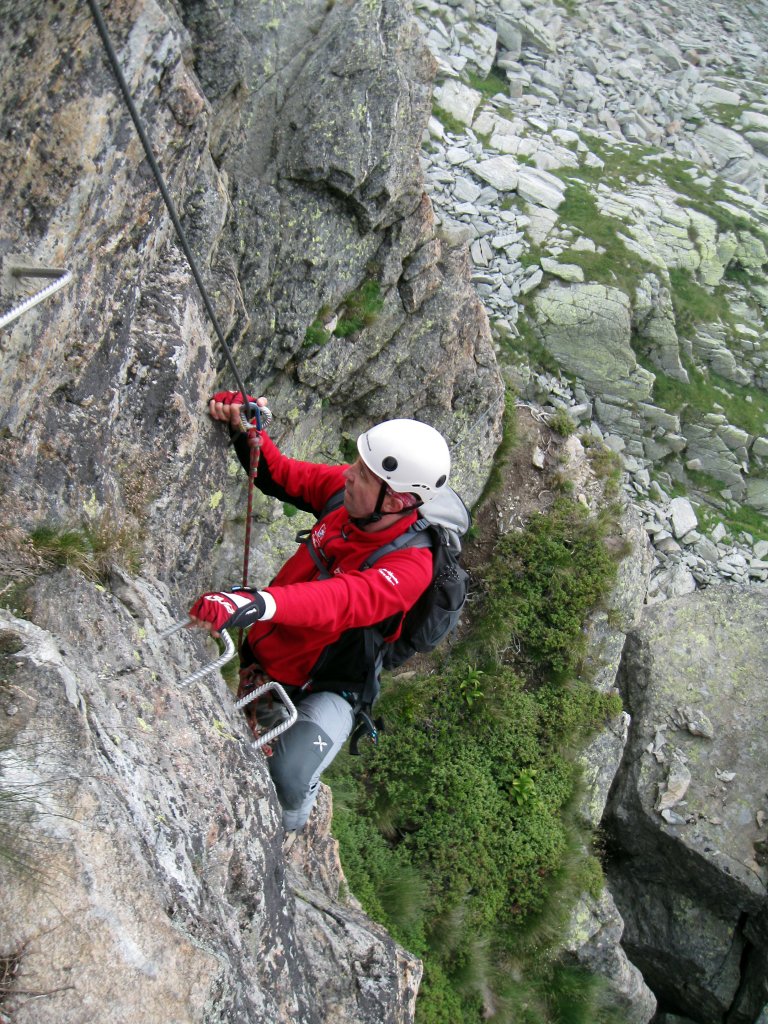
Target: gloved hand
{"x":228,"y":609}
{"x":226,"y":406}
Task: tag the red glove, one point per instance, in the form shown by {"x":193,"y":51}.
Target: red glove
{"x":257,"y":409}
{"x":229,"y":609}
{"x":230,"y":398}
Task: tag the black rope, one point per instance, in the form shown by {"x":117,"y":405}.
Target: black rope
{"x":101,"y":26}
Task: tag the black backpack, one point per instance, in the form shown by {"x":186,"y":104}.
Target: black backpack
{"x":358,"y":657}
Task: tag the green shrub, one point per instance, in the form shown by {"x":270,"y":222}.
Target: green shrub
{"x":561,"y":423}
{"x":558,"y":571}
{"x":316,"y":335}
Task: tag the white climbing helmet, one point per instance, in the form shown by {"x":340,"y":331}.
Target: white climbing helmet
{"x":408,"y":455}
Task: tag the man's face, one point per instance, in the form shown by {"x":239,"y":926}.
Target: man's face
{"x":361,"y":490}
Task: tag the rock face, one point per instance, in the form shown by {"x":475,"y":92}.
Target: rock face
{"x":289,"y":141}
{"x":292,"y":195}
{"x":689,"y":810}
{"x":147,"y":864}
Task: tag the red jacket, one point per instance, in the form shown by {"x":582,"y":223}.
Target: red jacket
{"x":312,"y":612}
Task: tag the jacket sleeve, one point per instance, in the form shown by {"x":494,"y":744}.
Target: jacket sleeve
{"x":359,"y":598}
{"x":307,"y":485}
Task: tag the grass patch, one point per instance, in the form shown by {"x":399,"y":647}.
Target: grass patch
{"x":739,"y":520}
{"x":316,"y":335}
{"x":616,"y":264}
{"x":359,"y":309}
{"x":636,"y":164}
{"x":693,"y":304}
{"x":708,"y":392}
{"x":448,"y":121}
{"x":458,"y":831}
{"x":91,"y":549}
{"x":527,"y":344}
{"x":561,"y":423}
{"x":494,"y":83}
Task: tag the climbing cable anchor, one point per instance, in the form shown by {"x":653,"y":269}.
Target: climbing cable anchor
{"x":60,"y":278}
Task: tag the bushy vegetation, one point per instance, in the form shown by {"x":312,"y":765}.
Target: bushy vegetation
{"x":457,"y":832}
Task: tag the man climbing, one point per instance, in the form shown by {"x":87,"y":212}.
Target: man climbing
{"x":307,"y":627}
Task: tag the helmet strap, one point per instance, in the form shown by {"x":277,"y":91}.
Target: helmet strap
{"x":376,"y":515}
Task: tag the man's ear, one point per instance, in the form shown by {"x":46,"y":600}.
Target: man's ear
{"x":393,"y":503}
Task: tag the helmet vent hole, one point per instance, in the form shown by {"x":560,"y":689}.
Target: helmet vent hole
{"x":390,"y":464}
{"x":441,"y":481}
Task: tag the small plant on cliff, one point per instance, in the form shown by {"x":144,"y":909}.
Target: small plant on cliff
{"x":360,"y":309}
{"x":561,"y":423}
{"x":91,"y":549}
{"x":545,"y":581}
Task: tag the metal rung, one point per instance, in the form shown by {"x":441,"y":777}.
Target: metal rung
{"x":271,"y":734}
{"x":229,"y":650}
{"x":268,"y":736}
{"x":60,"y":278}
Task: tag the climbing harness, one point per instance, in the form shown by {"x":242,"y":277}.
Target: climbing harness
{"x":60,"y":278}
{"x":269,"y":687}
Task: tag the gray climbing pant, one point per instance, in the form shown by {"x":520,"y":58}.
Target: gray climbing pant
{"x":303,"y":752}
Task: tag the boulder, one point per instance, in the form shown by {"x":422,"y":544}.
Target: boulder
{"x":593,"y":942}
{"x":501,"y":172}
{"x":587,"y":328}
{"x":688,"y":809}
{"x":458,"y":100}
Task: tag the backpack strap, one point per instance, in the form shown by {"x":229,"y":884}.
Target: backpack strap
{"x":413,"y":537}
{"x":335,"y":501}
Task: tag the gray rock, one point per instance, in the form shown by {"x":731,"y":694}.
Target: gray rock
{"x":458,"y":100}
{"x":167,"y":853}
{"x":593,"y":942}
{"x":587,"y":328}
{"x":539,"y":187}
{"x":683,"y":516}
{"x":700,"y":882}
{"x":500,"y":171}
